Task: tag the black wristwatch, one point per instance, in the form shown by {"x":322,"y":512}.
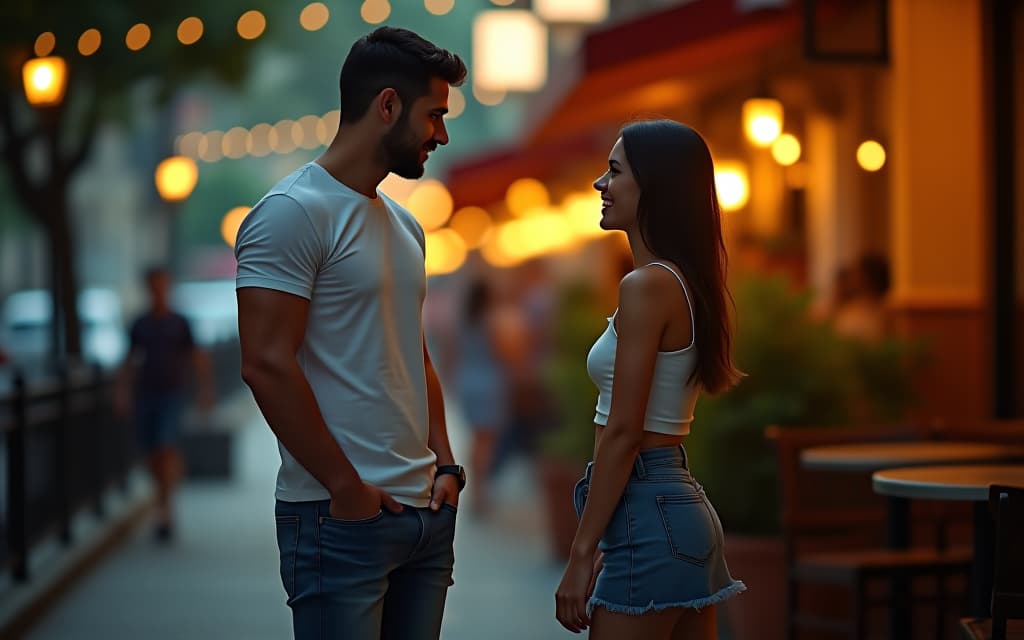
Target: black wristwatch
{"x":455,"y":470}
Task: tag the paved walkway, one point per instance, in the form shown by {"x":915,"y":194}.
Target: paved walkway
{"x":220,"y":579}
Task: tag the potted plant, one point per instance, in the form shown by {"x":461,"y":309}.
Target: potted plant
{"x":799,"y":371}
{"x":569,"y":445}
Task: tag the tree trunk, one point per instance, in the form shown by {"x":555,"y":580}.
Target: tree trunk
{"x":65,"y":285}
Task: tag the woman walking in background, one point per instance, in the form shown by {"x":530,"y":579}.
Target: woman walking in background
{"x":647,"y":560}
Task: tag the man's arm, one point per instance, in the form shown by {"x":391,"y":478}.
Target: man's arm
{"x":271,"y":326}
{"x":446,"y":487}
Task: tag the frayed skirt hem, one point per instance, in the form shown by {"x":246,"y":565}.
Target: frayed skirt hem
{"x":733,"y":589}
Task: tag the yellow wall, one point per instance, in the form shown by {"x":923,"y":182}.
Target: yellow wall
{"x":939,"y":209}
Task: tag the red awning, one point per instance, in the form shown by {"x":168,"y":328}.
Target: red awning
{"x":654,"y":63}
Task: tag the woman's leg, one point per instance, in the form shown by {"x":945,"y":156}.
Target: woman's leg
{"x":656,"y":625}
{"x":696,"y":625}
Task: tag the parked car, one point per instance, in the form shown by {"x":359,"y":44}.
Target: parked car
{"x":25,"y":326}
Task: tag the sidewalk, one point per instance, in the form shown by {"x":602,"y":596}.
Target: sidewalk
{"x":220,"y":579}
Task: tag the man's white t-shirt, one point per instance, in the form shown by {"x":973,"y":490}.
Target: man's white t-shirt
{"x":360,"y":263}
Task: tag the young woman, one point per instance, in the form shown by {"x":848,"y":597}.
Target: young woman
{"x":647,"y":559}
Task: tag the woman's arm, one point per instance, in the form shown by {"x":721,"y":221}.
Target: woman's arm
{"x":639,"y":324}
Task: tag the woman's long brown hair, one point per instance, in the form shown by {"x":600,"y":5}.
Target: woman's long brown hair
{"x":680,"y":220}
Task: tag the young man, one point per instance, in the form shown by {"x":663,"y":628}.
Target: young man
{"x":330,"y":287}
{"x":162,"y":355}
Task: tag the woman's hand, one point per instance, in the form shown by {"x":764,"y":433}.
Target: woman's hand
{"x":574,"y":591}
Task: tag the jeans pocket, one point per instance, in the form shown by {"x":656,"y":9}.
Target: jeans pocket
{"x":288,"y":546}
{"x":579,"y":496}
{"x":352,"y":523}
{"x":689,"y":527}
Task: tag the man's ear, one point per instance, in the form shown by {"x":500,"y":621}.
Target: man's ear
{"x":389,"y":105}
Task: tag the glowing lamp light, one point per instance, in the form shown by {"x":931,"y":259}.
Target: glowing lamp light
{"x":138,"y":37}
{"x":190,"y":30}
{"x":314,"y":16}
{"x":871,"y":155}
{"x":510,"y":50}
{"x":762,"y":120}
{"x":45,"y":80}
{"x":786,"y":150}
{"x":525,"y":194}
{"x":375,"y":11}
{"x":732,"y":185}
{"x":473,"y":224}
{"x":571,"y":11}
{"x":176,"y":177}
{"x":445,"y":252}
{"x":456,"y":103}
{"x":45,"y":44}
{"x":431,"y":204}
{"x":439,"y":7}
{"x":583,"y":212}
{"x":231,"y":223}
{"x":251,"y":25}
{"x":89,"y":42}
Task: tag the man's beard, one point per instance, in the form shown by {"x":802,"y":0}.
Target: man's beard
{"x":403,"y":152}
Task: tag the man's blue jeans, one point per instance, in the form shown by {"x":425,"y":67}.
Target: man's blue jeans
{"x":383,"y":577}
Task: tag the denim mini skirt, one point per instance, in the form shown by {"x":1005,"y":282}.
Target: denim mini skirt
{"x":663,"y":545}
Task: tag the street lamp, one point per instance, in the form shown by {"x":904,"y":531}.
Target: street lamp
{"x":45,"y":80}
{"x":175,"y":179}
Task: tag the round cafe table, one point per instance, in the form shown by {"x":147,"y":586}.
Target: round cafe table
{"x":869,"y":457}
{"x":957,"y":482}
{"x":872,"y":456}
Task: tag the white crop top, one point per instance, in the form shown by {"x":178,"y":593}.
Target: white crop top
{"x":673,"y":394}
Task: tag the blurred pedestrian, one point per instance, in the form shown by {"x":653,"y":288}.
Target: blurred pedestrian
{"x":331,"y":285}
{"x":864,"y":313}
{"x":482,"y":382}
{"x":152,"y":386}
{"x":647,"y":559}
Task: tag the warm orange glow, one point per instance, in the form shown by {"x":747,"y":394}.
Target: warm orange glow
{"x":308,"y":127}
{"x":445,"y":252}
{"x":431,"y":203}
{"x":176,"y":177}
{"x":281,"y":139}
{"x":732,"y":185}
{"x":45,"y":80}
{"x":571,"y":11}
{"x":871,"y":155}
{"x":137,"y":37}
{"x":231,"y":223}
{"x":331,"y":121}
{"x":488,"y":97}
{"x":234,"y":142}
{"x":89,"y":42}
{"x":314,"y":16}
{"x":258,"y":143}
{"x":45,"y":44}
{"x":456,"y":103}
{"x":583,"y":212}
{"x":786,"y":149}
{"x":251,"y":25}
{"x":473,"y":224}
{"x":188,"y":144}
{"x":439,"y":7}
{"x":190,"y":30}
{"x":525,"y":194}
{"x":210,"y":146}
{"x":510,"y":50}
{"x":375,"y":11}
{"x":762,"y":120}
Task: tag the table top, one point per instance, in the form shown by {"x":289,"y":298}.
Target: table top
{"x":946,"y":482}
{"x":872,"y":456}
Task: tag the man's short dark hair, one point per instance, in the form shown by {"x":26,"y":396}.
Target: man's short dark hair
{"x":396,"y":58}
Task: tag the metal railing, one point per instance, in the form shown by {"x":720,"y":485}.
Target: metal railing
{"x":60,"y":452}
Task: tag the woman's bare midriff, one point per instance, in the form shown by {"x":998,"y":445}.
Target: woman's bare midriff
{"x":650,"y":440}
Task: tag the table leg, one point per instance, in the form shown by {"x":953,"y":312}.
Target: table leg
{"x":984,"y":561}
{"x":899,"y":538}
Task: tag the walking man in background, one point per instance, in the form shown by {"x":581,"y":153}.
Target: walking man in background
{"x":158,"y":365}
{"x":330,"y":286}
